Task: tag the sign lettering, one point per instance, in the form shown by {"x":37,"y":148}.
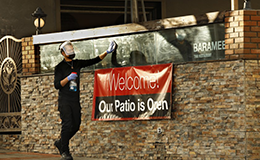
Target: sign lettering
{"x":130,"y":93}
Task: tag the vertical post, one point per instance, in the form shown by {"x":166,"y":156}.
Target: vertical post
{"x":30,"y":57}
{"x":143,"y":8}
{"x":8,"y":55}
{"x":234,"y":5}
{"x":134,"y":11}
{"x":58,"y":15}
{"x":125,"y":11}
{"x":39,"y":25}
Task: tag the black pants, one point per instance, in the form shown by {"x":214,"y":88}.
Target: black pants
{"x":70,"y":114}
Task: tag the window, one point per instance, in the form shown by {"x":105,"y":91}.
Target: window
{"x":178,"y":45}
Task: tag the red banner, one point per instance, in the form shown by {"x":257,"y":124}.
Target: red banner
{"x":128,"y":93}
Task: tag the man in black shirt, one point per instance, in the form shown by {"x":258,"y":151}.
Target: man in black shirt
{"x":69,"y":105}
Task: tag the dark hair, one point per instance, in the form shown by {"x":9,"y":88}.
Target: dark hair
{"x":61,"y":50}
{"x":137,"y":58}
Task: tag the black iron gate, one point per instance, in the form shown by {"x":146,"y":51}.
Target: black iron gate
{"x":10,"y":84}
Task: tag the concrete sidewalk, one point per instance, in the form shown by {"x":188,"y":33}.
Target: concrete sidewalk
{"x":14,"y":155}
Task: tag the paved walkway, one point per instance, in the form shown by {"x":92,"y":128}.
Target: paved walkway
{"x":14,"y":155}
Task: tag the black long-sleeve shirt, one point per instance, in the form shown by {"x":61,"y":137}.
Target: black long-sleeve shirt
{"x":62,"y":70}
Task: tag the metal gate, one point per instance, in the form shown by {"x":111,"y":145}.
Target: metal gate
{"x":10,"y":84}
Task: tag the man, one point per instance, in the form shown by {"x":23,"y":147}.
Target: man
{"x":68,"y":102}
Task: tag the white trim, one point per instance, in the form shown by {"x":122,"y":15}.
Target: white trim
{"x":130,"y":28}
{"x":86,"y":34}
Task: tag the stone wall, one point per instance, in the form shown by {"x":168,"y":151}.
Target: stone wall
{"x":252,"y":88}
{"x":215,"y":116}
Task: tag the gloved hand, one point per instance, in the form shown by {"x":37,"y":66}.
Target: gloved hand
{"x":72,"y":76}
{"x":111,"y":47}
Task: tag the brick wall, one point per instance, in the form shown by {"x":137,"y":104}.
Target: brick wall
{"x":242,"y":34}
{"x":30,"y":57}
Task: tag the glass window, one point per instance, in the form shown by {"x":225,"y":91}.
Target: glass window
{"x":196,"y":43}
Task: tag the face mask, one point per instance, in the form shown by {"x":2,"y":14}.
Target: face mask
{"x":71,"y":56}
{"x":68,"y":49}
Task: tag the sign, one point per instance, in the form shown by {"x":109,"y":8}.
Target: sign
{"x":205,"y":49}
{"x":133,"y":93}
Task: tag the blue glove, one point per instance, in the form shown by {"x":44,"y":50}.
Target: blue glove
{"x":72,"y":76}
{"x":111,"y":47}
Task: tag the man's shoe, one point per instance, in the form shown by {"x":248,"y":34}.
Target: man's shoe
{"x":66,"y":156}
{"x":57,"y":144}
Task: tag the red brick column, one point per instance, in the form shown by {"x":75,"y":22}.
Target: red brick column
{"x":242,"y":34}
{"x":30,"y":57}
